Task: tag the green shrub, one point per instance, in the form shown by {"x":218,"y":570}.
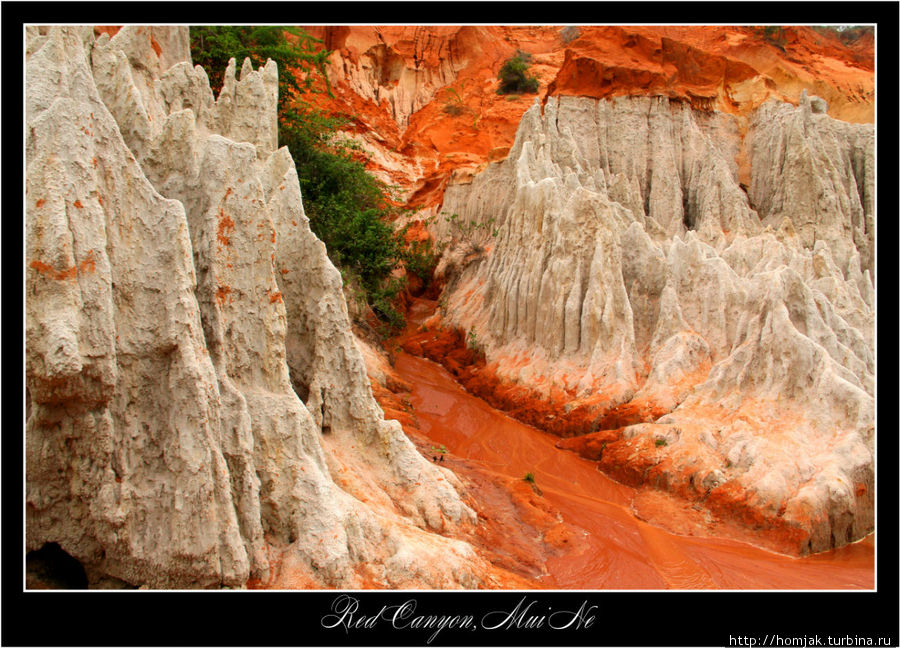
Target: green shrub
{"x":459,"y":229}
{"x":382,"y":303}
{"x":514,"y":78}
{"x":529,"y":477}
{"x":211,"y":47}
{"x":420,"y":258}
{"x":346,"y":206}
{"x":473,"y":343}
{"x":661,"y":442}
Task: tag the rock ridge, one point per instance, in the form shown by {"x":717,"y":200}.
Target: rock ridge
{"x":626,"y":266}
{"x":423,"y":99}
{"x":177,"y":305}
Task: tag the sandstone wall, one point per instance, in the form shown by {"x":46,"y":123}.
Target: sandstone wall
{"x":630,"y":268}
{"x":423,"y":100}
{"x":177,"y":305}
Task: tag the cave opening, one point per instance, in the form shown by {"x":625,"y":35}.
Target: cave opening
{"x":50,"y":567}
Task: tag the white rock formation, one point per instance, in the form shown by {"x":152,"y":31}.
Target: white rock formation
{"x":818,"y":172}
{"x":630,"y":265}
{"x":176,"y":298}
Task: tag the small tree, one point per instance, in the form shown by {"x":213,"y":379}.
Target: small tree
{"x":514,"y":78}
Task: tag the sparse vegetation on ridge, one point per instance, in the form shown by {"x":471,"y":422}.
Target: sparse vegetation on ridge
{"x":454,"y":105}
{"x":473,"y":344}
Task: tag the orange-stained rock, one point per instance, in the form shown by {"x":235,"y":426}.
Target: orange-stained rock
{"x":417,"y":232}
{"x":601,"y":537}
{"x":727,"y":510}
{"x":422,"y":99}
{"x":112,"y":30}
{"x":560,"y":413}
{"x":596,"y":431}
{"x":591,"y":446}
{"x":692,"y":518}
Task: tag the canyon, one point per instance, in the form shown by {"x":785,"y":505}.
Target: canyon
{"x":667,"y":255}
{"x":655,"y":300}
{"x":422,"y":100}
{"x":704,"y":332}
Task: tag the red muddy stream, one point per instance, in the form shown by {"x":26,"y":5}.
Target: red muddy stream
{"x":613,"y":549}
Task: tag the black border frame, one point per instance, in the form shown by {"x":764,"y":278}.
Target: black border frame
{"x":294,"y":618}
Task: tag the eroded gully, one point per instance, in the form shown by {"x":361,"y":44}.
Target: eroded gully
{"x":613,"y":549}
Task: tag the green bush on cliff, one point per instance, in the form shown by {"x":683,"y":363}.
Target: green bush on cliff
{"x":514,"y":78}
{"x":346,"y":206}
{"x":211,"y":47}
{"x":420,"y":258}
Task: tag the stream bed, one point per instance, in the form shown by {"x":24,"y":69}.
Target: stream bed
{"x":615,"y":549}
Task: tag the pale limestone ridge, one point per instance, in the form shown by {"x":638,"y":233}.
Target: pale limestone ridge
{"x":165,"y":443}
{"x":818,"y":172}
{"x":630,"y":265}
